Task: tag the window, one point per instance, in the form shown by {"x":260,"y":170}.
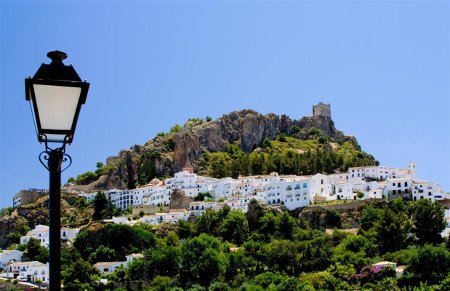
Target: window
{"x":399,"y":184}
{"x":321,"y":181}
{"x":406,"y":184}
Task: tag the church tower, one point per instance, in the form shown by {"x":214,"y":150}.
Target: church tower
{"x":412,"y":169}
{"x":188,"y":167}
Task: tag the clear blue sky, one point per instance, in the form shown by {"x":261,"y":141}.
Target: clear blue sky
{"x":383,"y":66}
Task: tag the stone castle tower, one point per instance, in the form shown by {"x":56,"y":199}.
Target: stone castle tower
{"x":322,"y":109}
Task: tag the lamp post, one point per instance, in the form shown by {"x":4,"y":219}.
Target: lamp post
{"x":56,"y":94}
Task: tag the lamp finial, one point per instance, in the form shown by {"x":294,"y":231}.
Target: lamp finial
{"x":57,"y":56}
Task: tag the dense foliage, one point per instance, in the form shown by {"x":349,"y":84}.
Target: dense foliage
{"x":286,"y":155}
{"x":268,"y":249}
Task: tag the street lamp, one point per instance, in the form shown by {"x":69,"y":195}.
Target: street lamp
{"x":56,"y":94}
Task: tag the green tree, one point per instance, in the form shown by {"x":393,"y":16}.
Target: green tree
{"x":202,"y":260}
{"x":314,"y":131}
{"x":209,"y":222}
{"x":316,"y":255}
{"x":431,"y":265}
{"x":254,"y":213}
{"x":234,"y":227}
{"x":284,"y":226}
{"x":295,"y":129}
{"x":184,"y":229}
{"x":101,"y":205}
{"x":266,"y":143}
{"x":86,"y":178}
{"x":78,"y":275}
{"x":102,"y":254}
{"x":202,"y":195}
{"x":161,"y":283}
{"x":333,"y":218}
{"x":176,"y":128}
{"x":121,"y":238}
{"x":35,"y":252}
{"x":391,"y":230}
{"x":219,"y":165}
{"x":282,"y":256}
{"x":428,"y":221}
{"x":370,"y":215}
{"x":6,"y":211}
{"x":162,"y":261}
{"x":268,"y":225}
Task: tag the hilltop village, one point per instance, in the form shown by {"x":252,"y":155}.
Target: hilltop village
{"x":187,"y":196}
{"x":291,"y":191}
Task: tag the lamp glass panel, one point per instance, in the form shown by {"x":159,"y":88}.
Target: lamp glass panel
{"x":56,"y":105}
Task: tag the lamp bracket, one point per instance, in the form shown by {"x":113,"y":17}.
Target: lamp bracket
{"x":46,"y":156}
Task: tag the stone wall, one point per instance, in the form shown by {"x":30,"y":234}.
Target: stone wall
{"x":322,"y":109}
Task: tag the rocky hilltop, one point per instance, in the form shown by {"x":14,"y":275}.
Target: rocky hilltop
{"x":167,"y":153}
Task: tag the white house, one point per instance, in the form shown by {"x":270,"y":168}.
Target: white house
{"x":422,"y":189}
{"x":199,"y":207}
{"x":109,"y":267}
{"x":41,"y":233}
{"x":321,"y":187}
{"x":89,"y":196}
{"x":7,"y":256}
{"x":133,"y":256}
{"x":398,"y":188}
{"x":33,"y":270}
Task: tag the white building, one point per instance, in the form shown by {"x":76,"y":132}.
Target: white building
{"x":109,"y":267}
{"x":422,"y":189}
{"x":291,"y":191}
{"x":398,"y":188}
{"x":33,"y":270}
{"x":172,"y":216}
{"x":7,"y":256}
{"x":199,"y":207}
{"x":89,"y":196}
{"x":41,"y":233}
{"x":321,"y":188}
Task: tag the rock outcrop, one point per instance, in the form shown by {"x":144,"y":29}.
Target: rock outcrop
{"x":244,"y":128}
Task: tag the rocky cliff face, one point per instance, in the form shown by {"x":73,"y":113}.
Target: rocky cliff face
{"x":245,"y":128}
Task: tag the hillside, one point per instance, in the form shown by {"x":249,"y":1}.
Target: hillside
{"x":75,"y":212}
{"x":239,"y":143}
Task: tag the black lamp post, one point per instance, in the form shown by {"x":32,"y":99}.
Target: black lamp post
{"x":56,"y":94}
